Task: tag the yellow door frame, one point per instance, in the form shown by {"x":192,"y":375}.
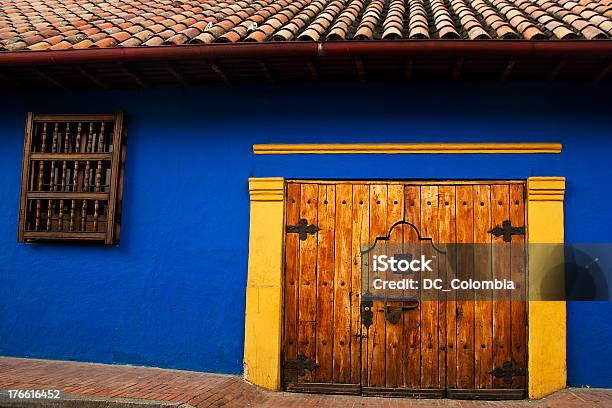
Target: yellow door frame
{"x":546,"y":352}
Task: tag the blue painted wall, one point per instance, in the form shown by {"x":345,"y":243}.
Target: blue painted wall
{"x":163,"y":297}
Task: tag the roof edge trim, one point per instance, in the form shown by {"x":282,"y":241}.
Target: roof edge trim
{"x":599,"y":48}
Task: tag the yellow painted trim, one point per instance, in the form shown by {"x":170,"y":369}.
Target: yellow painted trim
{"x":547,"y":367}
{"x":266,"y":189}
{"x":264,"y":294}
{"x":412,"y":148}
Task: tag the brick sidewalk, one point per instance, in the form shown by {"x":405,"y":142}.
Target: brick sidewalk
{"x":214,"y":390}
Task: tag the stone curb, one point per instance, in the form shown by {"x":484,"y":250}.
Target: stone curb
{"x":76,"y":401}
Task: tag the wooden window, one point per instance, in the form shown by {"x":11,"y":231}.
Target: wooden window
{"x":72,"y":178}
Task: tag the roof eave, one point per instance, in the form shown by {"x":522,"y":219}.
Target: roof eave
{"x":518,"y":48}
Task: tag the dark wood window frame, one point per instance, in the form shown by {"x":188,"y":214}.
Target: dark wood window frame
{"x":72,"y":178}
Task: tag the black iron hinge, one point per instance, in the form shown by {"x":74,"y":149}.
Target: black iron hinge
{"x":302,"y":228}
{"x":301,"y":364}
{"x":507,"y":231}
{"x":507,"y":371}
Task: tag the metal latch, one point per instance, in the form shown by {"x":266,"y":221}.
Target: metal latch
{"x":366,"y":312}
{"x":394,"y":313}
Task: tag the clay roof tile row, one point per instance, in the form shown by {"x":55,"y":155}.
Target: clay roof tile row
{"x":468,"y":20}
{"x":394,"y":21}
{"x":55,"y":24}
{"x":321,"y":23}
{"x":345,"y":20}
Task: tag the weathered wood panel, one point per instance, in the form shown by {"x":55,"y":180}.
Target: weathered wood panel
{"x":465,"y":307}
{"x":483,"y":342}
{"x":394,"y":341}
{"x":429,"y":307}
{"x":376,"y":333}
{"x":292,"y":255}
{"x":518,"y":305}
{"x":447,"y":267}
{"x":500,"y":211}
{"x":307,"y":296}
{"x":342,"y":317}
{"x":412,"y":318}
{"x":325,"y":282}
{"x":360,"y":236}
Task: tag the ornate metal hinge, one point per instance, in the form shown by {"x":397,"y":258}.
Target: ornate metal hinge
{"x":507,"y":230}
{"x":302,"y":228}
{"x":366,"y":312}
{"x":507,"y":371}
{"x":301,"y":364}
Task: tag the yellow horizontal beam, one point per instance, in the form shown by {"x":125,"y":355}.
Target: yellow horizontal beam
{"x":407,"y":148}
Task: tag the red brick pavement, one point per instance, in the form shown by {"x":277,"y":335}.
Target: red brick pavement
{"x":214,"y":390}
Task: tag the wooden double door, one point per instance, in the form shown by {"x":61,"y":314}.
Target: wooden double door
{"x":443,"y":347}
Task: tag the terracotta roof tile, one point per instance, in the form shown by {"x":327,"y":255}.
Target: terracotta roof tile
{"x":64,"y":24}
{"x":62,"y":45}
{"x":83,"y":44}
{"x":131,"y":42}
{"x":106,"y":42}
{"x":43,"y":45}
{"x":121,"y":36}
{"x":15,"y":45}
{"x":153,"y":41}
{"x":30,"y":39}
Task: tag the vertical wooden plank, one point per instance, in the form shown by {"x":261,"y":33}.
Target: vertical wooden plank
{"x":307,"y":296}
{"x":465,"y":306}
{"x":342,"y":284}
{"x":393,"y":343}
{"x":429,"y":306}
{"x":483,"y":330}
{"x":115,"y":166}
{"x":411,"y":330}
{"x":325,"y":283}
{"x":500,"y":211}
{"x":376,"y":334}
{"x":292,"y":254}
{"x":518,"y":305}
{"x":121,"y":176}
{"x":360,"y":237}
{"x":25,"y":174}
{"x":447,"y":265}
